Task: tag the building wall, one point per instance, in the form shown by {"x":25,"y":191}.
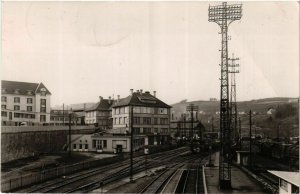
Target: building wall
{"x":111,"y":143}
{"x":23,"y":109}
{"x":22,"y":142}
{"x":140,"y":113}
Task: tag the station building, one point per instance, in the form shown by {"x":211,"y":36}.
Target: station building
{"x":148,"y":116}
{"x":24,"y":103}
{"x":289,"y":182}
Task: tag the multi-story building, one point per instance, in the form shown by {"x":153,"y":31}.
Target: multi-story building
{"x":99,"y":114}
{"x":23,"y":102}
{"x":150,"y":116}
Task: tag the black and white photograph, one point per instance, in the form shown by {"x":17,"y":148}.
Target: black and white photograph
{"x":169,"y":97}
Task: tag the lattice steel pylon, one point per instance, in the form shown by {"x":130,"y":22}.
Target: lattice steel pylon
{"x":233,"y":104}
{"x":224,"y":15}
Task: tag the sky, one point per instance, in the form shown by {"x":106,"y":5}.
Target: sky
{"x":83,"y":50}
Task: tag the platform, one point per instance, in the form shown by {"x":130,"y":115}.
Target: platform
{"x":240,"y":182}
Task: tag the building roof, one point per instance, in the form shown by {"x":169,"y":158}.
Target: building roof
{"x":104,"y":104}
{"x":23,"y":87}
{"x":141,"y":99}
{"x":291,"y":177}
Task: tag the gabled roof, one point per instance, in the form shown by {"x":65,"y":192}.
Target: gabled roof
{"x":141,"y":99}
{"x":102,"y":105}
{"x":22,"y":87}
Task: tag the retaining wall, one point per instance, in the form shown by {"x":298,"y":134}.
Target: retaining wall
{"x":23,"y":142}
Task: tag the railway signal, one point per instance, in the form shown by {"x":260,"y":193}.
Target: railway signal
{"x":224,"y":15}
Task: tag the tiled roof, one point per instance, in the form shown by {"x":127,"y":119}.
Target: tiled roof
{"x":102,"y":105}
{"x":144,"y":99}
{"x":22,"y":87}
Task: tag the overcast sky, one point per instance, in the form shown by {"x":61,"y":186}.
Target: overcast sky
{"x":82,"y":50}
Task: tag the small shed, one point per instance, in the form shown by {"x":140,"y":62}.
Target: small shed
{"x":288,"y":181}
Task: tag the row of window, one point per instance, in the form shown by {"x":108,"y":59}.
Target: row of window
{"x":147,"y":121}
{"x":80,"y":146}
{"x":99,"y":144}
{"x":23,"y":115}
{"x":149,"y":130}
{"x":17,"y":107}
{"x":138,"y":109}
{"x":16,"y":99}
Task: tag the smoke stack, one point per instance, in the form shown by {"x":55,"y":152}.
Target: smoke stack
{"x":131,"y":92}
{"x":154,"y":93}
{"x":100,"y":98}
{"x":141,"y":92}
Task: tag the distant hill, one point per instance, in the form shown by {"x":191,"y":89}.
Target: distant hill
{"x":284,"y":112}
{"x":211,"y":107}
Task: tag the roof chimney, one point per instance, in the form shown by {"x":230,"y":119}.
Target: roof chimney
{"x":141,"y":91}
{"x":84,"y":106}
{"x":131,"y":92}
{"x":118,"y":98}
{"x":154,"y":93}
{"x":100,"y":98}
{"x":137,"y":91}
{"x":109,"y":99}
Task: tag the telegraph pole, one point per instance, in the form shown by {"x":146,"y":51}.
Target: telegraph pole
{"x":192,"y":108}
{"x":131,"y":146}
{"x":224,"y":15}
{"x":240,"y":133}
{"x":233,"y":104}
{"x":250,"y":141}
{"x":70,"y":116}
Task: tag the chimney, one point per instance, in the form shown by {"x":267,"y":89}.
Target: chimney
{"x":154,"y":93}
{"x":131,"y":92}
{"x":100,"y":98}
{"x":141,"y":91}
{"x":109,"y":99}
{"x":118,"y":98}
{"x":84,"y":106}
{"x":137,"y":91}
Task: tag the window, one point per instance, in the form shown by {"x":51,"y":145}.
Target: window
{"x":74,"y":146}
{"x":94,"y":143}
{"x":86,"y":146}
{"x":16,"y":115}
{"x":80,"y":146}
{"x":136,"y":120}
{"x":43,"y":105}
{"x":29,"y":108}
{"x":16,"y":107}
{"x":147,"y":130}
{"x":155,"y":110}
{"x":147,"y":121}
{"x":104,"y":143}
{"x":43,"y":118}
{"x":17,"y":99}
{"x":32,"y":116}
{"x":3,"y":107}
{"x":3,"y":114}
{"x":155,"y":121}
{"x":120,"y":120}
{"x":164,"y":121}
{"x":3,"y":98}
{"x":136,"y":109}
{"x":29,"y":100}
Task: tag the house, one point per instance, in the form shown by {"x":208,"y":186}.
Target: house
{"x":24,"y":103}
{"x":99,"y":114}
{"x":146,"y":113}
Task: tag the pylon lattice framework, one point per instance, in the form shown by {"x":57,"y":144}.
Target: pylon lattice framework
{"x":233,"y":104}
{"x":224,"y":15}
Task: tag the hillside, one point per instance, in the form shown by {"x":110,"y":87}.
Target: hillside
{"x":285,"y":112}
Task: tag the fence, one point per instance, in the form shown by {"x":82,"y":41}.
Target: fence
{"x":26,"y":180}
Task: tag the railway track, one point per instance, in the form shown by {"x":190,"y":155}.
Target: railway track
{"x":106,"y":173}
{"x":191,"y":180}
